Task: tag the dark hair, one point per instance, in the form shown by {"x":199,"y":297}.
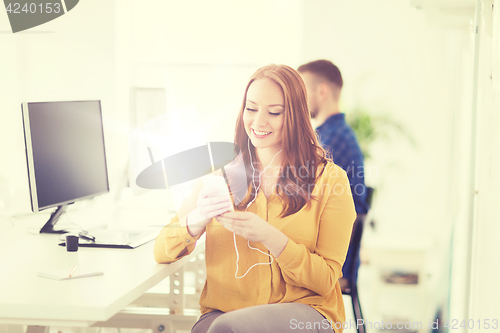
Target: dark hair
{"x":325,"y":69}
{"x":301,"y":149}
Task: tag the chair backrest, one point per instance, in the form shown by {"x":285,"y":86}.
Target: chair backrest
{"x":369,"y":195}
{"x":357,"y":234}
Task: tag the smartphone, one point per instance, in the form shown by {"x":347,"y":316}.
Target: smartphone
{"x":210,"y":181}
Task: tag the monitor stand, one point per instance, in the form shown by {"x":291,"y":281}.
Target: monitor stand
{"x":48,"y":227}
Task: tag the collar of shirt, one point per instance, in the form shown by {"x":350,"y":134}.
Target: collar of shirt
{"x":333,"y":119}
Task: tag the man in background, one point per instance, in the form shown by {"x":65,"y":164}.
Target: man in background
{"x":324,"y":82}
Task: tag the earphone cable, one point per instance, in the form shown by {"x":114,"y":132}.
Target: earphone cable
{"x":255,"y":197}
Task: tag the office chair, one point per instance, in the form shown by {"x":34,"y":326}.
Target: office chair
{"x":352,"y":287}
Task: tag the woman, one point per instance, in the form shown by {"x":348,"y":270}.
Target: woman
{"x":273,"y":264}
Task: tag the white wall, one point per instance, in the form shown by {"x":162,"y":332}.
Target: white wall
{"x":393,"y":61}
{"x":204,"y":52}
{"x":484,"y":284}
{"x":70,"y":58}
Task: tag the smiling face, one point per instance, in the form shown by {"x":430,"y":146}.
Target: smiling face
{"x":263,"y":116}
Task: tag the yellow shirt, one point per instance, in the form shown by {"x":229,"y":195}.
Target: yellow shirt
{"x":308,"y":269}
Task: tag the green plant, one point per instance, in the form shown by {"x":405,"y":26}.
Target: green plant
{"x":370,"y":127}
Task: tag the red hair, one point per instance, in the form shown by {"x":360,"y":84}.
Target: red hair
{"x":302,"y":154}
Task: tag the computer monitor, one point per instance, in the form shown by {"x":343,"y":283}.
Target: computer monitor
{"x":65,"y":155}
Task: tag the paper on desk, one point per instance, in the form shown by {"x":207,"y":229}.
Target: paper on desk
{"x":64,"y":274}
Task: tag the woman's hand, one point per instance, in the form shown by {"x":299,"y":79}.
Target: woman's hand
{"x":251,"y":227}
{"x":211,"y":202}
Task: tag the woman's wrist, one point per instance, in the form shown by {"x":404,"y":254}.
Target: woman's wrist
{"x":194,"y":228}
{"x":275,"y":242}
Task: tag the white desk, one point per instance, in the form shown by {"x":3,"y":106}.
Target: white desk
{"x":28,"y":299}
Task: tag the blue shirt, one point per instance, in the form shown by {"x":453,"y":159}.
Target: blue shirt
{"x":339,"y":140}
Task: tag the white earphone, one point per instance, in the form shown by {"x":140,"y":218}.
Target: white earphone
{"x":248,"y":242}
